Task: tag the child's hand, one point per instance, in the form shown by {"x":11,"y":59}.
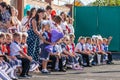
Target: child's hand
{"x":110,"y":38}
{"x":30,"y":58}
{"x":13,"y":57}
{"x":53,"y":43}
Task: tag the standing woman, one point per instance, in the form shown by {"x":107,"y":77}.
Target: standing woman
{"x":33,"y":39}
{"x":27,"y":19}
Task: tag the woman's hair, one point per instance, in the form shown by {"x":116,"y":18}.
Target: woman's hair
{"x":48,"y":7}
{"x":31,"y":12}
{"x":37,"y":16}
{"x":10,"y":8}
{"x":4,"y":4}
{"x":65,"y":16}
{"x":57,"y":19}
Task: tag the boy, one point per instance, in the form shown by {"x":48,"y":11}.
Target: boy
{"x":15,"y":50}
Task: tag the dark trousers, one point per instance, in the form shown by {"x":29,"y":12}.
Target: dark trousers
{"x":95,"y":59}
{"x":86,"y":58}
{"x":53,"y":58}
{"x":109,"y":57}
{"x":25,"y":65}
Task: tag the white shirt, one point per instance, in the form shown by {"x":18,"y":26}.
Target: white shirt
{"x":14,"y":49}
{"x":80,"y":47}
{"x":71,"y":28}
{"x":24,"y":20}
{"x":89,"y":47}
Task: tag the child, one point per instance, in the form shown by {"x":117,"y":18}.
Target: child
{"x":100,"y":51}
{"x":44,"y":55}
{"x":70,"y":25}
{"x":57,"y":23}
{"x":57,"y":57}
{"x":106,"y":43}
{"x":89,"y":49}
{"x":6,"y":66}
{"x":16,"y":51}
{"x":72,"y":49}
{"x":81,"y":49}
{"x":67,"y":50}
{"x":34,"y":65}
{"x":94,"y":46}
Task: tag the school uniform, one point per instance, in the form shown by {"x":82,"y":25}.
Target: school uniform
{"x":33,"y":64}
{"x":89,"y":47}
{"x":15,"y":48}
{"x":86,"y":57}
{"x":72,"y":31}
{"x":44,"y":55}
{"x":71,"y":60}
{"x":109,"y":54}
{"x":100,"y":56}
{"x":57,"y":49}
{"x":65,"y":27}
{"x":4,"y":76}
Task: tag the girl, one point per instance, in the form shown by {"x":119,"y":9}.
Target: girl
{"x":13,"y":21}
{"x":70,"y":25}
{"x":64,"y":24}
{"x":67,"y":50}
{"x":44,"y":55}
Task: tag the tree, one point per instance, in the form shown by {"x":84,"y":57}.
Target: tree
{"x":106,"y":3}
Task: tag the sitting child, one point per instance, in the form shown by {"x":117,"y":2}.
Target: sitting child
{"x":57,"y":57}
{"x":16,"y":51}
{"x":34,"y":65}
{"x":67,"y":50}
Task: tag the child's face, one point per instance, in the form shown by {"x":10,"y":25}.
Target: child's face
{"x":104,"y":41}
{"x":67,"y":41}
{"x":82,"y":41}
{"x":71,"y":21}
{"x":2,"y":40}
{"x":47,"y":27}
{"x":89,"y":41}
{"x":18,"y":39}
{"x":8,"y":39}
{"x":24,"y":39}
{"x":72,"y":39}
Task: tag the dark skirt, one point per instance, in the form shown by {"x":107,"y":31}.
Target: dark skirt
{"x":44,"y":54}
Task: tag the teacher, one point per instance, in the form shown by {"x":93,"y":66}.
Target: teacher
{"x":33,"y":39}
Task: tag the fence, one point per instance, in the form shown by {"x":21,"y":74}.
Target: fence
{"x":98,"y":20}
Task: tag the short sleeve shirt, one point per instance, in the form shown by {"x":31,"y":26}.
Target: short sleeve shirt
{"x":14,"y":49}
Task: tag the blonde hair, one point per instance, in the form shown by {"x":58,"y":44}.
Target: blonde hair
{"x":80,"y":38}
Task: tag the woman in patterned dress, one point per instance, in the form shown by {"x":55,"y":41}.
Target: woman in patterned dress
{"x":33,"y":39}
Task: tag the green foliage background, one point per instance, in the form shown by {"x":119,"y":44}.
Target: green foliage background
{"x":106,"y":3}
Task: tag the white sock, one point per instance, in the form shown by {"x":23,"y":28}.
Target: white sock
{"x":56,"y":65}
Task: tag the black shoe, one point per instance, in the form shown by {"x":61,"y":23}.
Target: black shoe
{"x":89,"y":65}
{"x":23,"y":77}
{"x":14,"y":79}
{"x":62,"y":70}
{"x":28,"y":75}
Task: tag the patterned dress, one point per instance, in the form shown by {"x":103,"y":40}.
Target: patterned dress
{"x":33,"y":42}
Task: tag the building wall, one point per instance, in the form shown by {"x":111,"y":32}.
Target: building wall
{"x":44,"y":4}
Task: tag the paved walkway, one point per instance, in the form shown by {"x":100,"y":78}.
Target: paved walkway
{"x":104,"y":72}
